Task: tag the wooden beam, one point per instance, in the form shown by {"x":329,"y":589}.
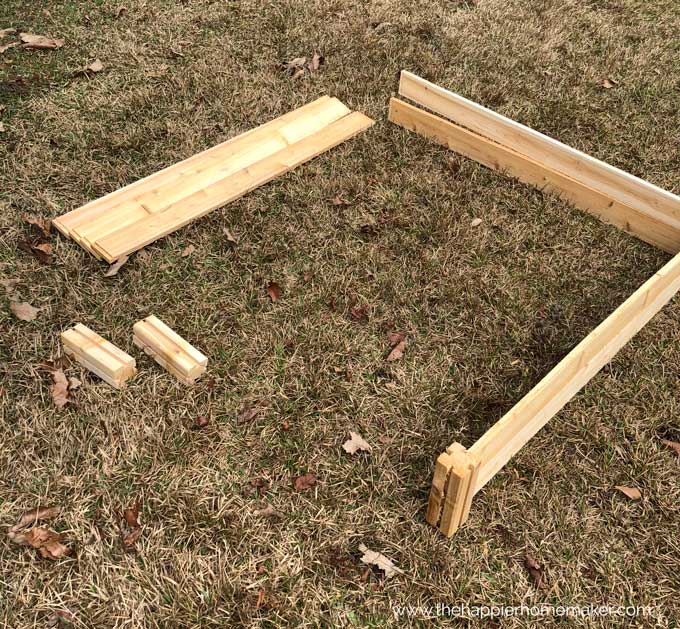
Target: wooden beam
{"x":664,"y":234}
{"x":503,"y":440}
{"x":628,"y":190}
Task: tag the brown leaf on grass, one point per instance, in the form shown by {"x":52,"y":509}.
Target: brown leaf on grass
{"x":188,"y":250}
{"x":258,"y":485}
{"x":56,"y":617}
{"x":535,"y":571}
{"x":42,"y":226}
{"x":359,"y":313}
{"x":267,"y":512}
{"x":130,"y":537}
{"x":59,"y":390}
{"x":41,"y":42}
{"x":372,"y":558}
{"x":9,"y":45}
{"x":674,"y":445}
{"x":46,"y":542}
{"x":201,"y":421}
{"x":95,"y":66}
{"x":355,"y":443}
{"x":23,"y":310}
{"x":132,"y":530}
{"x":73,"y":383}
{"x":120,"y":11}
{"x":609,"y":83}
{"x":293,"y":66}
{"x":304,"y":482}
{"x":41,"y":251}
{"x":274,"y":291}
{"x":4,"y":32}
{"x":249,"y":412}
{"x":316,"y":62}
{"x":229,"y":235}
{"x":630,"y":492}
{"x":131,"y":514}
{"x":116,"y":266}
{"x":398,"y":341}
{"x":338,"y":199}
{"x":32,"y":517}
{"x":475,"y":222}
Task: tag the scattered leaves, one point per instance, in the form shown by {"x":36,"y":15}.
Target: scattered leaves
{"x":355,"y":443}
{"x":673,"y":445}
{"x":535,"y":571}
{"x":116,"y":266}
{"x":475,"y":222}
{"x":398,"y":342}
{"x":41,"y":42}
{"x":630,"y":492}
{"x":304,"y":482}
{"x":188,"y":250}
{"x":59,"y":390}
{"x":23,"y":310}
{"x":370,"y":557}
{"x":131,"y":531}
{"x":295,"y":68}
{"x":274,"y":291}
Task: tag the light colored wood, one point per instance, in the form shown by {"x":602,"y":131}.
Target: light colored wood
{"x":98,"y":355}
{"x":92,"y":210}
{"x":459,"y":485}
{"x":169,"y":349}
{"x":665,"y":235}
{"x":136,"y":236}
{"x":503,"y":440}
{"x":617,"y":184}
{"x":442,"y":469}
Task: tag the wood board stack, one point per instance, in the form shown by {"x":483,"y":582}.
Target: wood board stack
{"x":169,"y":349}
{"x":134,"y":216}
{"x":98,"y":355}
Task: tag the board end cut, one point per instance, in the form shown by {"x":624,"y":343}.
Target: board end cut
{"x":169,"y":349}
{"x":98,"y":355}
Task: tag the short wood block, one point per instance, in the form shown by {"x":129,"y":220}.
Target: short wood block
{"x":98,"y":355}
{"x":169,"y":349}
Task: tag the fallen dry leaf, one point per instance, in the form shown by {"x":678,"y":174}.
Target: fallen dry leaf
{"x":306,"y":481}
{"x":274,"y":291}
{"x":132,"y":530}
{"x":116,"y":266}
{"x":120,"y":11}
{"x":29,"y":40}
{"x":201,"y":421}
{"x":630,"y":492}
{"x":316,"y":62}
{"x":475,"y":222}
{"x":129,"y":538}
{"x":535,"y":571}
{"x":249,"y":412}
{"x":609,"y":83}
{"x":23,"y":310}
{"x":188,"y":250}
{"x":95,"y":66}
{"x":267,"y":512}
{"x":7,"y":31}
{"x":398,"y":341}
{"x":32,"y":517}
{"x":42,"y":226}
{"x":294,"y":65}
{"x":48,"y":543}
{"x":338,"y":199}
{"x":229,"y":235}
{"x":73,"y":383}
{"x":131,"y":514}
{"x":59,"y":390}
{"x":41,"y":251}
{"x":11,"y":44}
{"x":56,"y":617}
{"x":370,"y":557}
{"x":359,"y":313}
{"x":672,"y":444}
{"x":355,"y":443}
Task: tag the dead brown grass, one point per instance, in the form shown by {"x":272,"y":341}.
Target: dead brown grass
{"x":488,"y":310}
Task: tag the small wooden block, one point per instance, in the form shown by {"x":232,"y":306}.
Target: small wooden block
{"x":169,"y":349}
{"x":98,"y":355}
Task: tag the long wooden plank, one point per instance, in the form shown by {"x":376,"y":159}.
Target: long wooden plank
{"x":100,"y":206}
{"x":663,"y":234}
{"x":503,"y":440}
{"x":156,"y":226}
{"x":613,"y":182}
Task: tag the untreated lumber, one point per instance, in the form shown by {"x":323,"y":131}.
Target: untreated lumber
{"x":664,"y":234}
{"x":660,"y":208}
{"x":128,"y":219}
{"x":169,"y":349}
{"x":98,"y":355}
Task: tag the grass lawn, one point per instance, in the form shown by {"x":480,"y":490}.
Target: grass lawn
{"x":487,"y":311}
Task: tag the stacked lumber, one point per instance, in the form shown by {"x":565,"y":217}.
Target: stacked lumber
{"x":134,"y":216}
{"x":169,"y":349}
{"x":98,"y":355}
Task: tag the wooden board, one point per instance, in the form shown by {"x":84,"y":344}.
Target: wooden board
{"x":98,"y":355}
{"x":663,"y":234}
{"x":626,"y":189}
{"x":169,"y":349}
{"x":157,"y":205}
